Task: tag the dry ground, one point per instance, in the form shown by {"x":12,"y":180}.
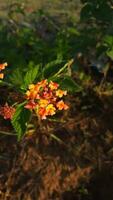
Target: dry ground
{"x":55,"y":7}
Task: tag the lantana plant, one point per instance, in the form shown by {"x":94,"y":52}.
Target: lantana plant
{"x":43,"y":92}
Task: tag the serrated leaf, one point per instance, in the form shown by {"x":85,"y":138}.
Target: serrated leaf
{"x":30,"y":76}
{"x":52,"y":68}
{"x":19,"y":120}
{"x":16,"y":77}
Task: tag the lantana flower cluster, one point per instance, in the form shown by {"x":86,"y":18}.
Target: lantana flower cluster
{"x":45,"y":98}
{"x":7,"y":111}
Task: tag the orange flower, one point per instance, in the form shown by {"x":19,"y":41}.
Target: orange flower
{"x":61,"y":93}
{"x":40,"y":85}
{"x":53,"y":85}
{"x":1,"y":75}
{"x":43,"y":83}
{"x":42,"y":113}
{"x":37,"y":87}
{"x":3,"y":66}
{"x":33,"y":94}
{"x":61,"y":105}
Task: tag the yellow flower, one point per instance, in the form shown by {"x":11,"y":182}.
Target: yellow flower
{"x":31,"y":86}
{"x":31,"y":94}
{"x":61,"y":93}
{"x":28,"y":93}
{"x":43,"y":103}
{"x":53,"y":85}
{"x":50,"y":109}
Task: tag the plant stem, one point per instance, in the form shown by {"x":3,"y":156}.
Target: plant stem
{"x":68,"y":64}
{"x":7,"y":133}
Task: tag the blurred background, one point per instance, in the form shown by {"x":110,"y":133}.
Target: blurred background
{"x":55,"y":7}
{"x":44,"y":31}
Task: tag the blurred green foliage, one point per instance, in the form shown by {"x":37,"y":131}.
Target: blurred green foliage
{"x":39,"y":38}
{"x":37,"y":45}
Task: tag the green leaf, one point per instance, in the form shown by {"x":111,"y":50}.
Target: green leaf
{"x":110,"y":54}
{"x":52,"y":68}
{"x":86,"y":12}
{"x":20,"y":119}
{"x":30,"y":76}
{"x":108,"y":41}
{"x":16,"y":77}
{"x":75,"y":67}
{"x":70,"y":85}
{"x":73,"y":31}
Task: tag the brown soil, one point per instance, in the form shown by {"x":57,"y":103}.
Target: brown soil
{"x":75,"y":166}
